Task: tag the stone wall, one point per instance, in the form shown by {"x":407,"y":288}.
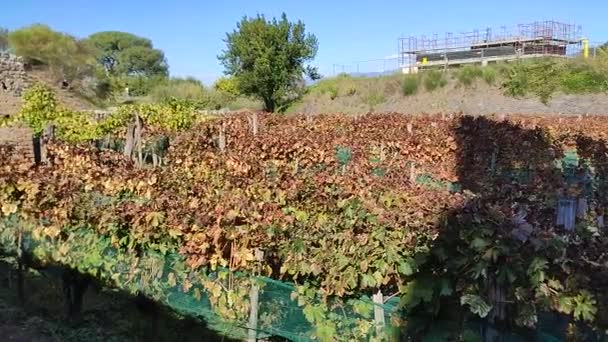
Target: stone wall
{"x":13,"y":78}
{"x":22,"y":139}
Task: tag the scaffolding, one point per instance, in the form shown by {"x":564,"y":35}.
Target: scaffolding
{"x":537,"y":39}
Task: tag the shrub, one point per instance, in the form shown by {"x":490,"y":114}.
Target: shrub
{"x":40,"y":106}
{"x":228,"y":85}
{"x":375,"y":98}
{"x":489,"y":75}
{"x":467,"y":75}
{"x":583,"y":78}
{"x":333,"y":92}
{"x":516,"y":83}
{"x":183,"y":89}
{"x":434,"y":79}
{"x":350,"y":91}
{"x":409,"y":85}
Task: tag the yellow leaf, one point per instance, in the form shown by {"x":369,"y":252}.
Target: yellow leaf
{"x":9,"y":208}
{"x":171,"y":279}
{"x":63,"y":249}
{"x":174,"y":233}
{"x":52,"y":231}
{"x":187,"y":285}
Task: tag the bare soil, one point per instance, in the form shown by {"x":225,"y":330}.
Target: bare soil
{"x":10,"y":104}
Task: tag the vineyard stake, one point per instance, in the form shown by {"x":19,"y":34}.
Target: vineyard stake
{"x":254,"y":294}
{"x":138,"y":140}
{"x":222,"y":138}
{"x":379,"y":312}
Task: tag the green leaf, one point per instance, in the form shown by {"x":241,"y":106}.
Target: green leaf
{"x":405,"y":268}
{"x":326,"y":331}
{"x":314,"y":313}
{"x":476,"y":304}
{"x":479,"y":244}
{"x":301,"y":216}
{"x":585,"y":306}
{"x":363,"y":308}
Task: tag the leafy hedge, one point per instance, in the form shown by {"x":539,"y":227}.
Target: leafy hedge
{"x":333,"y":203}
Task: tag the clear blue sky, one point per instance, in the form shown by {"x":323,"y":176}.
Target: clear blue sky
{"x":191,"y":32}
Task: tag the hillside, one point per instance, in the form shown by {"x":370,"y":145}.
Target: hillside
{"x":16,"y":78}
{"x":543,"y":87}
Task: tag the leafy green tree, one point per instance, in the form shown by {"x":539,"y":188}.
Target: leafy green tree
{"x":66,"y":56}
{"x":268,"y":58}
{"x":125,"y":54}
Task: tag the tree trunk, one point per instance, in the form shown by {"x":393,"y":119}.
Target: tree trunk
{"x":269,"y":105}
{"x":74,"y":287}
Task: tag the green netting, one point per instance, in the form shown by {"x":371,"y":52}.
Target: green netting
{"x":220,"y":297}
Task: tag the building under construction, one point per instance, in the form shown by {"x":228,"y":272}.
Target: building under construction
{"x":538,"y":39}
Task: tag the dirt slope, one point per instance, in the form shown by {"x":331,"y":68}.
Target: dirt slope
{"x":10,"y":104}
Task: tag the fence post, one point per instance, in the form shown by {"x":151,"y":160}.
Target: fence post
{"x":47,"y":136}
{"x":129,"y":140}
{"x":253,"y":121}
{"x":138,"y":140}
{"x":379,"y":313}
{"x":254,"y":294}
{"x":222,"y":138}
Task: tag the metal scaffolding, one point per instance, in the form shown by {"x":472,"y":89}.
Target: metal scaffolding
{"x":537,"y":39}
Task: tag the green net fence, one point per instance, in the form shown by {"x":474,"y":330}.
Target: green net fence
{"x":220,"y":297}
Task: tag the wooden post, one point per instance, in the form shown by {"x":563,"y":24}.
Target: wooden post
{"x":254,"y":294}
{"x":253,"y":121}
{"x":129,"y":140}
{"x":379,"y":313}
{"x":20,"y":270}
{"x":138,"y":141}
{"x":412,"y":173}
{"x":48,"y":135}
{"x":222,"y":138}
{"x":410,"y":128}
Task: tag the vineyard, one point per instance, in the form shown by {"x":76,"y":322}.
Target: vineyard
{"x":323,"y":227}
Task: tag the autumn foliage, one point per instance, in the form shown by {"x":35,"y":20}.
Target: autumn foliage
{"x":427,"y":208}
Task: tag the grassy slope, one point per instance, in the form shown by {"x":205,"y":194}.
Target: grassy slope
{"x":573,"y":86}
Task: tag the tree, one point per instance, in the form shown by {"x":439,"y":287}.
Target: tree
{"x":125,"y":54}
{"x":268,"y":58}
{"x":66,"y":56}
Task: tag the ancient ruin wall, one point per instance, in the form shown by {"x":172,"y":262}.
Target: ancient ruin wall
{"x":13,"y":78}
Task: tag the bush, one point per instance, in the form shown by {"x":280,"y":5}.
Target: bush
{"x":489,"y":75}
{"x":227,"y":85}
{"x":583,"y":78}
{"x":375,"y":98}
{"x":333,"y":92}
{"x":467,"y":75}
{"x":409,"y":85}
{"x":434,"y":79}
{"x":40,"y":106}
{"x":516,"y":83}
{"x":351,"y":90}
{"x":183,"y":89}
